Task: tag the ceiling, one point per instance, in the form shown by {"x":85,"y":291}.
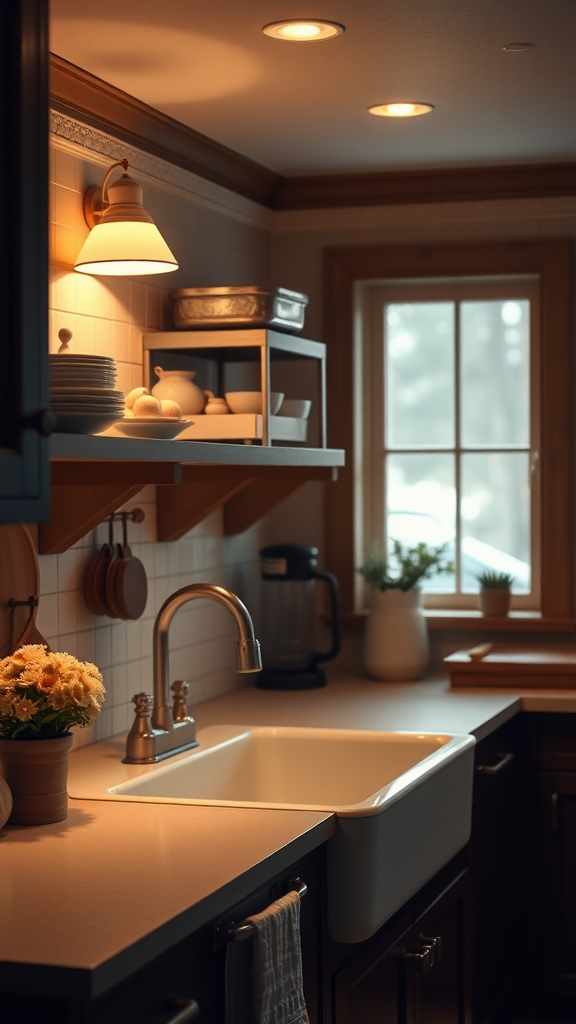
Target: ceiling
{"x":301,"y":108}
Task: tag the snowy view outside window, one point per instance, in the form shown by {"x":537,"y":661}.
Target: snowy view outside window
{"x":457,"y":434}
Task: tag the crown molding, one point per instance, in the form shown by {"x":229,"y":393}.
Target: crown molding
{"x":83,"y":97}
{"x":77,"y":138}
{"x":450,"y":185}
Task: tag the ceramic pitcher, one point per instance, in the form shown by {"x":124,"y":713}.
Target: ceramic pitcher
{"x":178,"y":385}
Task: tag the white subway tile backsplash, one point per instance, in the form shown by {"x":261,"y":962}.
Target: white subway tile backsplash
{"x":67,"y":612}
{"x":120,"y":719}
{"x":68,"y":570}
{"x":47,"y":616}
{"x":85,"y":334}
{"x":103,"y":653}
{"x":133,"y":643}
{"x":49,"y":575}
{"x":67,"y":208}
{"x":85,"y":295}
{"x":120,"y":686}
{"x":69,"y":644}
{"x":121,"y":341}
{"x":103,"y":727}
{"x":63,"y":169}
{"x":119,"y":648}
{"x":87,"y":645}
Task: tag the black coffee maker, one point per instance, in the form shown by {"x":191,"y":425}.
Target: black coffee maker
{"x":288,"y":618}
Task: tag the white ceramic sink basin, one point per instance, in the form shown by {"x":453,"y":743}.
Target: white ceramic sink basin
{"x":402,"y":800}
{"x":348,"y":772}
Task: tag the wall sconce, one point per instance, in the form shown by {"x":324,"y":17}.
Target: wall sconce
{"x":124,"y":239}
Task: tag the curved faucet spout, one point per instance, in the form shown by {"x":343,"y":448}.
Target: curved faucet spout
{"x":247,"y":648}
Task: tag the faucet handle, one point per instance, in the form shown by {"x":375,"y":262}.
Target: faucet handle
{"x":180,"y":711}
{"x":144,"y":702}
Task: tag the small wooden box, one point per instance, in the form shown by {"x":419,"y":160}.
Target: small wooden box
{"x":505,"y":667}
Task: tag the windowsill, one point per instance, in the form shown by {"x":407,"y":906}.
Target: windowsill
{"x":469,"y":619}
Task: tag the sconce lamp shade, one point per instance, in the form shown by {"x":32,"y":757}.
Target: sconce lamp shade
{"x":124,"y":239}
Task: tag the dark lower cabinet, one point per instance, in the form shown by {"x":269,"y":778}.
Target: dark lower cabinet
{"x":557,"y":895}
{"x":415,"y":970}
{"x":371,"y":988}
{"x":494,"y":851}
{"x":440,"y":995}
{"x":556,"y":859}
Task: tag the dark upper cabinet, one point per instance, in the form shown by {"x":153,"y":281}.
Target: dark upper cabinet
{"x":24,"y":457}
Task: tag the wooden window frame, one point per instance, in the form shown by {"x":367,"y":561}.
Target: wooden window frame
{"x":372,"y":298}
{"x":551,"y":260}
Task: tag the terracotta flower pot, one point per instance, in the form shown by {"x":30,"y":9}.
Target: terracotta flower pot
{"x":36,"y":772}
{"x":494,"y":600}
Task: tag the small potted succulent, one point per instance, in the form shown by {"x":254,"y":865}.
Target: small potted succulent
{"x":396,"y":639}
{"x":495,"y":592}
{"x":43,"y":694}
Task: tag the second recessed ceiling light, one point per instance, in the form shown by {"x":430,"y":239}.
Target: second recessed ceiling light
{"x":400,"y":109}
{"x":303,"y":30}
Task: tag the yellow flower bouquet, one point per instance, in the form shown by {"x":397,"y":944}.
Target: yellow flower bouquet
{"x":44,"y":694}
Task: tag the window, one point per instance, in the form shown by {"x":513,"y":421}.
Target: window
{"x":451,"y":429}
{"x":549,"y":264}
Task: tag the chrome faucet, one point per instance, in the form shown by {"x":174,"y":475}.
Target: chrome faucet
{"x":160,"y":728}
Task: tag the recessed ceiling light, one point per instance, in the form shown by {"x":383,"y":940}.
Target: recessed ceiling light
{"x":518,"y":46}
{"x":400,"y":109}
{"x":303,"y":31}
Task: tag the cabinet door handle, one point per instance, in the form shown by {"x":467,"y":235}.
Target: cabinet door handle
{"x":434,"y":944}
{"x":186,"y":1011}
{"x":504,"y":760}
{"x":43,"y":421}
{"x":418,"y":961}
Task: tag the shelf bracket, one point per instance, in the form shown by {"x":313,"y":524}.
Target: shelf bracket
{"x":260,"y":496}
{"x":84,"y":493}
{"x":203,"y":489}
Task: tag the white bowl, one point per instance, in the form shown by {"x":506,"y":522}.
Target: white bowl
{"x":297,"y":407}
{"x":158,"y":427}
{"x":251,"y":401}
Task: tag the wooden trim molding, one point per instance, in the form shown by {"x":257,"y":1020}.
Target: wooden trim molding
{"x":80,"y":95}
{"x":451,"y":185}
{"x":552,"y":261}
{"x":473,"y":622}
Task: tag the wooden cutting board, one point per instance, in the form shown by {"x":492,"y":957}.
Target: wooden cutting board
{"x":19,"y":579}
{"x":510,"y":666}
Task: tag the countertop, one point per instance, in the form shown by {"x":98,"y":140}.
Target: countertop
{"x":99,"y":895}
{"x":353,"y":702}
{"x":87,"y":901}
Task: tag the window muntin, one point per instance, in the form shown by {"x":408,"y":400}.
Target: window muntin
{"x":453,"y":397}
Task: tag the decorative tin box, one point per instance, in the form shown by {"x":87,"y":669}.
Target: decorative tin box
{"x":202,"y":308}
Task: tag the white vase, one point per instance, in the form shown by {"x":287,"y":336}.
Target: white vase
{"x":396,"y":638}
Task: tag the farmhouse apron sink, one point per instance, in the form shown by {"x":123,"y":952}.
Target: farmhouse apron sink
{"x":402,"y":802}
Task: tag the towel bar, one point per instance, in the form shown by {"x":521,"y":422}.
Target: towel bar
{"x":244,"y":931}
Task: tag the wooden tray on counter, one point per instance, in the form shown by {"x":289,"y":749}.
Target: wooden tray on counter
{"x":508,"y":666}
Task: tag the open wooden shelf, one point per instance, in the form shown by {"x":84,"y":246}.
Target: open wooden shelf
{"x":94,"y":475}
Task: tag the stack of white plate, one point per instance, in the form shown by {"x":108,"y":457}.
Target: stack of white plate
{"x":82,"y":394}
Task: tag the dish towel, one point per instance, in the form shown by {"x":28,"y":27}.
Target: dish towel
{"x":264,"y":974}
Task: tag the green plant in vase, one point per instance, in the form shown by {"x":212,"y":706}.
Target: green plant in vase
{"x":411,"y":566}
{"x":396,"y":639}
